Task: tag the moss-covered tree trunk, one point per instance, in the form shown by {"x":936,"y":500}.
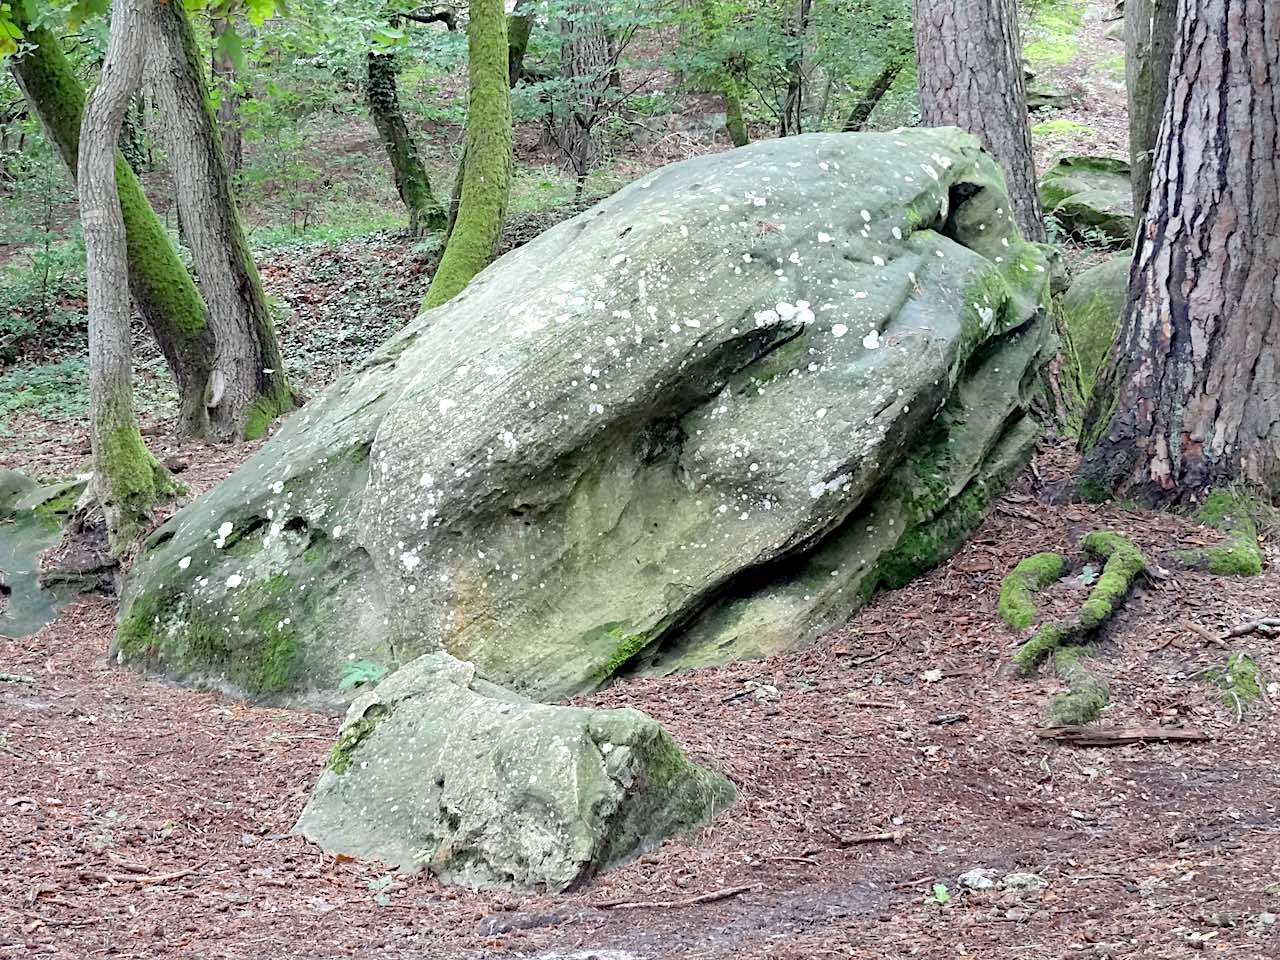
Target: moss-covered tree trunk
{"x":734,"y":124}
{"x":969,"y":54}
{"x":412,"y":182}
{"x":487,"y":161}
{"x":1148,"y":49}
{"x":1190,"y":396}
{"x":127,"y":480}
{"x":162,"y":288}
{"x":227,"y":86}
{"x":249,"y":387}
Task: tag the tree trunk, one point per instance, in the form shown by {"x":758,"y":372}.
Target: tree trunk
{"x":969,"y":55}
{"x":127,"y":479}
{"x":519,"y":26}
{"x":585,"y":64}
{"x":792,"y":119}
{"x":412,"y":182}
{"x":1148,"y":48}
{"x":863,"y":109}
{"x":249,"y":386}
{"x":487,"y":161}
{"x":734,"y":124}
{"x":224,"y":81}
{"x":164,"y":292}
{"x":1190,"y":396}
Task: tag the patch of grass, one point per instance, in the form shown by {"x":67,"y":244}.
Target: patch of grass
{"x":1062,"y":127}
{"x":1053,"y":33}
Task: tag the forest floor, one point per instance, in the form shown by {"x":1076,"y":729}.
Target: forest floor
{"x":141,"y":819}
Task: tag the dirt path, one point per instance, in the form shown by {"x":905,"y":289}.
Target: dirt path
{"x":143,"y":820}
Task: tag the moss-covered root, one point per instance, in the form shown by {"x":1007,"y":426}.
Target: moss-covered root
{"x":1240,"y":555}
{"x":1240,"y":682}
{"x":352,"y":735}
{"x":1123,"y":563}
{"x":1029,"y":576}
{"x":1046,"y":640}
{"x":128,"y":481}
{"x":1086,"y":695}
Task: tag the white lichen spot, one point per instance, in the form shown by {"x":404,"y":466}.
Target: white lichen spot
{"x":872,"y":340}
{"x":824,"y":237}
{"x":839,"y":330}
{"x":234,"y":581}
{"x":184,"y":563}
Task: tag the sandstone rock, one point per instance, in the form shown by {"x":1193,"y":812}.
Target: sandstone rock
{"x":438,"y":769}
{"x":1092,"y":198}
{"x":704,"y":419}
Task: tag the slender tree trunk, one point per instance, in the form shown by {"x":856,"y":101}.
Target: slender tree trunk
{"x":1190,"y":396}
{"x":412,"y":182}
{"x":863,"y":109}
{"x":585,"y":64}
{"x":127,"y":479}
{"x":487,"y":161}
{"x":1148,"y":47}
{"x":793,"y":103}
{"x":249,"y":386}
{"x":519,"y":26}
{"x":734,"y":124}
{"x":225,"y":82}
{"x":164,"y":292}
{"x":969,"y":55}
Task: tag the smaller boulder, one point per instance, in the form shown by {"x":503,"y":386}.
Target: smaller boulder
{"x":1092,"y":198}
{"x":1091,"y":310}
{"x":31,"y":518}
{"x":441,"y":770}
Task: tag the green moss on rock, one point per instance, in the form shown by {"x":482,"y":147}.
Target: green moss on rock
{"x":1240,"y":681}
{"x":351,"y":736}
{"x":1030,"y":575}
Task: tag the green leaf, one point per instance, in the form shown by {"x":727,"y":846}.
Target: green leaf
{"x":259,"y":11}
{"x":940,"y":893}
{"x":231,"y":46}
{"x":361,"y":672}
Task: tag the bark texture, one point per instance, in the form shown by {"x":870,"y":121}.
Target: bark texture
{"x":163,"y":290}
{"x":248,"y":388}
{"x":862,"y":110}
{"x":487,"y":160}
{"x":1149,"y":27}
{"x":969,"y":55}
{"x":586,"y":63}
{"x":412,"y":183}
{"x":792,"y":118}
{"x":127,"y":478}
{"x":1190,"y":396}
{"x":519,"y":26}
{"x":224,"y":81}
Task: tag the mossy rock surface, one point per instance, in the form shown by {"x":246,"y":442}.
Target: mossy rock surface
{"x":31,"y":518}
{"x":436,"y":769}
{"x":1091,"y":310}
{"x":1092,"y":198}
{"x":702,"y":420}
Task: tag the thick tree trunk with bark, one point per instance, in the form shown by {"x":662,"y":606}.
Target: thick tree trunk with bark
{"x":127,"y":480}
{"x":224,"y":81}
{"x":586,"y":62}
{"x":412,"y":183}
{"x":1190,"y":396}
{"x":487,"y":161}
{"x":248,"y":388}
{"x":1148,"y":49}
{"x":969,"y":55}
{"x":162,"y":288}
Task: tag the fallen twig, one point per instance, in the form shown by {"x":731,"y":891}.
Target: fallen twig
{"x":1203,"y":633}
{"x":1268,"y":626}
{"x":890,"y":836}
{"x":711,"y":897}
{"x":15,"y":678}
{"x":943,"y":719}
{"x":1119,"y":736}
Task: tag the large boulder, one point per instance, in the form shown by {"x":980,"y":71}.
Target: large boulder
{"x":702,"y":420}
{"x":1092,"y":198}
{"x":438,"y":769}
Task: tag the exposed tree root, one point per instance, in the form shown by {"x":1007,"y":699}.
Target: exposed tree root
{"x":1031,"y":575}
{"x":1240,"y":555}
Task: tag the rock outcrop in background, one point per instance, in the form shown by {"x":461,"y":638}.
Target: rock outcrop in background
{"x":702,"y":420}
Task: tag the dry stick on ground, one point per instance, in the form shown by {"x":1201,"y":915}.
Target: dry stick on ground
{"x":1264,"y":625}
{"x":1203,"y":633}
{"x":891,"y":836}
{"x":1118,"y":736}
{"x":711,"y":897}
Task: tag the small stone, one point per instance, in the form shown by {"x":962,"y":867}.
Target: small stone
{"x":979,"y":878}
{"x":1025,"y":882}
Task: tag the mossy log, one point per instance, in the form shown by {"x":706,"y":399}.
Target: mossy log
{"x":1031,"y":575}
{"x":1086,"y":695}
{"x":1123,"y":564}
